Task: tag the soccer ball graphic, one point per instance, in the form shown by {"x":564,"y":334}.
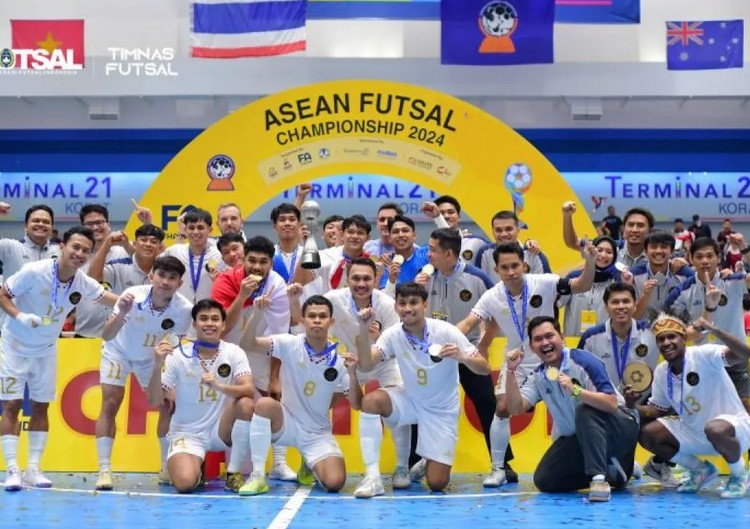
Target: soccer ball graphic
{"x":499,"y":19}
{"x":518,"y":178}
{"x":221,"y":167}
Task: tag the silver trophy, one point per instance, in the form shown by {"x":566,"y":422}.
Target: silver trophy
{"x":310,"y":256}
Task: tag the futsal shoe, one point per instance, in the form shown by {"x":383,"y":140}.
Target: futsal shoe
{"x":418,"y":471}
{"x":637,"y":470}
{"x":164,"y":477}
{"x":305,"y":476}
{"x":510,"y":475}
{"x":736,"y":486}
{"x":33,"y":477}
{"x":256,"y":484}
{"x":282,"y":472}
{"x":496,"y":478}
{"x":698,"y":478}
{"x":13,"y":479}
{"x":234,"y":483}
{"x":661,"y":472}
{"x":401,"y":479}
{"x":104,"y":481}
{"x":369,"y":487}
{"x":599,"y":490}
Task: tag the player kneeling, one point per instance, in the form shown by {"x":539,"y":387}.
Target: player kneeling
{"x":212,"y":387}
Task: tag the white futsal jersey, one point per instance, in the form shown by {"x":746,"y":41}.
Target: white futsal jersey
{"x":145,"y":326}
{"x":431,"y":385}
{"x":702,"y":392}
{"x":198,"y":407}
{"x":306,"y":393}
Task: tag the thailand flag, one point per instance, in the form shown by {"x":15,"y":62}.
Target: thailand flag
{"x":225,"y":29}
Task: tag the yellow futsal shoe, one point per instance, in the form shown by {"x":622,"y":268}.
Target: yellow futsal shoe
{"x":104,"y":481}
{"x":235,"y":480}
{"x":256,"y":484}
{"x":305,"y":476}
{"x":164,"y":477}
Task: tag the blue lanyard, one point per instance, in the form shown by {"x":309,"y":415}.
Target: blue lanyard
{"x":670,"y":389}
{"x":280,"y":265}
{"x":621,"y":355}
{"x":196,"y":345}
{"x":195,"y":275}
{"x":415,"y":342}
{"x":329,"y":352}
{"x":146,"y":301}
{"x":56,"y":283}
{"x":511,"y":305}
{"x":261,"y":288}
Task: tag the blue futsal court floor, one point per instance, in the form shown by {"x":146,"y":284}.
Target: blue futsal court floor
{"x":140,"y":503}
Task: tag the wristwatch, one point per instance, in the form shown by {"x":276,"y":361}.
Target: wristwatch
{"x":576,"y":393}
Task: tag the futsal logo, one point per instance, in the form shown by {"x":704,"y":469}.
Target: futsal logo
{"x":7,"y":58}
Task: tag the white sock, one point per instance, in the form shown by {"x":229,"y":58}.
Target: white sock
{"x":599,"y":477}
{"x":499,"y":439}
{"x":104,"y":451}
{"x":37,"y":442}
{"x":164,"y":450}
{"x":260,"y":442}
{"x":737,"y":468}
{"x":240,"y":445}
{"x":688,"y":461}
{"x":402,"y":441}
{"x":10,"y":450}
{"x":370,"y":437}
{"x":279,"y":455}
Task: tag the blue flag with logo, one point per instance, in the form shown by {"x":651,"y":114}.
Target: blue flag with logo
{"x":598,"y":11}
{"x":704,"y":45}
{"x":497,"y":32}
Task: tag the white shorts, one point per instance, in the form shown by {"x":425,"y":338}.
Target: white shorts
{"x":438,"y":430}
{"x":522,"y":373}
{"x":314,"y":446}
{"x":696,"y":443}
{"x":40,"y":373}
{"x":386,"y":373}
{"x":196,"y":444}
{"x":115,"y":367}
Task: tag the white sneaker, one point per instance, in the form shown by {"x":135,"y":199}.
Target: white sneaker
{"x":637,"y":470}
{"x":369,"y":487}
{"x":418,"y":471}
{"x":104,"y":481}
{"x":401,"y":479}
{"x":13,"y":479}
{"x":496,"y":478}
{"x":281,"y":471}
{"x":663,"y":473}
{"x":33,"y":477}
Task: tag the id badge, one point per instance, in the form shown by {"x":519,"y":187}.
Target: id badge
{"x":442,"y":316}
{"x":588,"y":319}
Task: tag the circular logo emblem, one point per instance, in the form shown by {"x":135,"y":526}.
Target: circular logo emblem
{"x":468,"y":255}
{"x":464,"y":295}
{"x":220,"y":170}
{"x":330,"y":374}
{"x":75,"y":298}
{"x":224,"y":370}
{"x":324,"y":153}
{"x":7,"y":58}
{"x":641,"y":350}
{"x":693,"y":378}
{"x":498,"y":19}
{"x":723,"y":300}
{"x":536,"y":301}
{"x":167,"y":324}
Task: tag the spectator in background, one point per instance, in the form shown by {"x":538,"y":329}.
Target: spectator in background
{"x":683,"y":238}
{"x":611,"y":224}
{"x":723,"y":236}
{"x":699,"y":229}
{"x":333,"y":234}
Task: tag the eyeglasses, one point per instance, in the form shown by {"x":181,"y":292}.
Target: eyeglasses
{"x":95,"y":223}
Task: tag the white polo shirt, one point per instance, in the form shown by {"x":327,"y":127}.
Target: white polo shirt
{"x":197,"y":274}
{"x":537,"y":263}
{"x":36,"y":290}
{"x":91,"y":316}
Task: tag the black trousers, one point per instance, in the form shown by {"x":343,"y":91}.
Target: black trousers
{"x":481,"y":391}
{"x":572,"y":461}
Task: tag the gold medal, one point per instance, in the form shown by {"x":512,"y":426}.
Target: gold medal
{"x":398,"y":259}
{"x":171,"y":339}
{"x":638,"y":376}
{"x":552,"y":373}
{"x":46,"y":320}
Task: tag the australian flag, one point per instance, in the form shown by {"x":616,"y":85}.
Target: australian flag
{"x":704,"y":45}
{"x":497,"y":32}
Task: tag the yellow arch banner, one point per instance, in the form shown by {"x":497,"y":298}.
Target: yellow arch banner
{"x":377,"y":127}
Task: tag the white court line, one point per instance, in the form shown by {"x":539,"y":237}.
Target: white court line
{"x":290,"y":509}
{"x":327,"y":497}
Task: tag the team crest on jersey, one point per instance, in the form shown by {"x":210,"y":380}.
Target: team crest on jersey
{"x":167,"y":324}
{"x":464,"y":295}
{"x":75,"y":298}
{"x":224,"y":370}
{"x":330,"y":374}
{"x":693,"y":378}
{"x":468,"y":255}
{"x":641,"y":350}
{"x":536,"y":301}
{"x":723,"y":300}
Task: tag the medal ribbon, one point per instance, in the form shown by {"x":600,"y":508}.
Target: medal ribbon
{"x":670,"y":388}
{"x":511,"y":305}
{"x":195,"y":275}
{"x":620,"y":354}
{"x":56,"y":284}
{"x":329,"y":352}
